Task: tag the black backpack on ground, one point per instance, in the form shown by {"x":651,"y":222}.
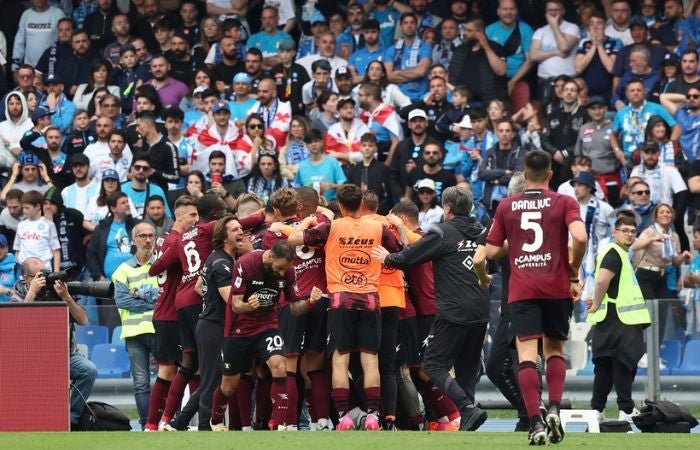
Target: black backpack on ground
{"x":98,"y":416}
{"x":664,"y":417}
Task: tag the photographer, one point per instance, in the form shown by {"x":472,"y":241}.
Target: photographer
{"x":32,"y":287}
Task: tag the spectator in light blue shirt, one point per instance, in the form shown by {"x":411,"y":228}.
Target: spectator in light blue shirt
{"x":372,"y":51}
{"x":269,"y":37}
{"x":408,"y":61}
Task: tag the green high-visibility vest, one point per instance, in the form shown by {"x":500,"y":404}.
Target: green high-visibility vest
{"x":135,"y":324}
{"x":630,"y":305}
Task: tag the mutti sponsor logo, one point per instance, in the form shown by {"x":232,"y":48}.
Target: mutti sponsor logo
{"x":355,"y":241}
{"x":355,"y":279}
{"x":354,"y":259}
{"x":266,"y":296}
{"x":30,"y":236}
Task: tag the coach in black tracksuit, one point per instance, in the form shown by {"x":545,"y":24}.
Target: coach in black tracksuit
{"x":459,"y":327}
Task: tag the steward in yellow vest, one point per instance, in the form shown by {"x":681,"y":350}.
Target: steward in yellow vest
{"x":135,"y":293}
{"x":619,"y":315}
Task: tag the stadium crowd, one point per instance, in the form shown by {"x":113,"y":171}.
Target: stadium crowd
{"x":230,"y":165}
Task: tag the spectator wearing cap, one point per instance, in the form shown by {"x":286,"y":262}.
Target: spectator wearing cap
{"x":371,"y":51}
{"x":408,"y":61}
{"x":457,"y":151}
{"x":59,"y":51}
{"x":97,"y":204}
{"x":222,"y":135}
{"x":318,"y":25}
{"x":99,"y":24}
{"x":429,"y":209}
{"x":343,"y":82}
{"x":76,"y":69}
{"x":78,"y":194}
{"x":473,"y":150}
{"x":290,"y":77}
{"x":326,"y":47}
{"x":170,"y":91}
{"x":640,"y":36}
{"x":269,"y":37}
{"x":434,"y":106}
{"x":29,"y":174}
{"x":13,"y":128}
{"x":121,"y":35}
{"x":69,"y":226}
{"x":49,"y":153}
{"x":670,"y":71}
{"x":689,"y":77}
{"x":182,"y":64}
{"x":163,"y":154}
{"x":595,"y":57}
{"x":665,"y":183}
{"x":7,"y":270}
{"x":686,"y":111}
{"x":56,"y":102}
{"x":342,"y":141}
{"x":320,"y":83}
{"x":241,"y":99}
{"x":593,"y":141}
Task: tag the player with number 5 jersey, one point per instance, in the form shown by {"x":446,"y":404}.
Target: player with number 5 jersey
{"x":543,"y":282}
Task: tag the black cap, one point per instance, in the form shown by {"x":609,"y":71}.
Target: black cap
{"x":79,"y":158}
{"x":596,"y":100}
{"x":670,"y":60}
{"x":639,"y":21}
{"x":650,"y":145}
{"x":345,"y":101}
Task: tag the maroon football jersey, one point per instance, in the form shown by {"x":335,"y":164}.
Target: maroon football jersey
{"x":535,"y":223}
{"x":309,"y":265}
{"x":195,"y":247}
{"x":251,"y":277}
{"x":167,"y":267}
{"x":421,"y":288}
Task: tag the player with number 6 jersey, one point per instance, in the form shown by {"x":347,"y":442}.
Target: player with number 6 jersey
{"x":544,"y":280}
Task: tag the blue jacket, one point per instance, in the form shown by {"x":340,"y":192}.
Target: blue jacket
{"x":63,"y":113}
{"x":8,"y":277}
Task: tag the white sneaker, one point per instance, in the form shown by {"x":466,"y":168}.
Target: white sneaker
{"x":281,"y":428}
{"x":246,"y":428}
{"x":322,"y":425}
{"x":628,"y":417}
{"x":220,"y":427}
{"x":292,"y":428}
{"x":600,"y":416}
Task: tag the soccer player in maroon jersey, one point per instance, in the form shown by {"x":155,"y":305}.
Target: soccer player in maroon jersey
{"x":299,"y":321}
{"x":251,"y":328}
{"x":544,"y":281}
{"x":167,"y":352}
{"x":193,"y":249}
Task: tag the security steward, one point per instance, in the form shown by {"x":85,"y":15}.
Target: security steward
{"x":135,"y":293}
{"x":619,"y":315}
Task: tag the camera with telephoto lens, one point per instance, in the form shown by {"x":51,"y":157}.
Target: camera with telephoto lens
{"x":97,"y":289}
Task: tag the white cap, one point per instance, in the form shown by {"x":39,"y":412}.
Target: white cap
{"x":425,"y":183}
{"x":466,"y":122}
{"x":199,"y":90}
{"x":417,"y":113}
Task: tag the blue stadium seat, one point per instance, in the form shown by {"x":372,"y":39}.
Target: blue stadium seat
{"x":691,"y":359}
{"x":112,"y":361}
{"x":116,"y":339}
{"x":671,"y":353}
{"x":588,"y":370}
{"x":91,"y":336}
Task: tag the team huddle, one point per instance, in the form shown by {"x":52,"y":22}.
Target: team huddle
{"x":356,"y":315}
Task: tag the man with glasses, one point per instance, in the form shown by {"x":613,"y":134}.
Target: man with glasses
{"x":25,"y":83}
{"x":135,"y":294}
{"x":688,"y":118}
{"x":638,"y":197}
{"x":619,"y":315}
{"x":139,"y":188}
{"x":593,"y":141}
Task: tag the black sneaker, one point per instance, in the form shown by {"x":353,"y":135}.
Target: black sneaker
{"x":538,"y":432}
{"x":472,"y":419}
{"x":523,"y":424}
{"x":389,"y":425}
{"x":261,"y":424}
{"x":555,"y":432}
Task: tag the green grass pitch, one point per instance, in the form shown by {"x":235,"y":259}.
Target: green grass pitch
{"x":330,"y":440}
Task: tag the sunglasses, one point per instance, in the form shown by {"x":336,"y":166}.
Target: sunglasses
{"x":141,"y":168}
{"x":647,"y":192}
{"x":425,"y":191}
{"x":693,"y":96}
{"x":255,"y":126}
